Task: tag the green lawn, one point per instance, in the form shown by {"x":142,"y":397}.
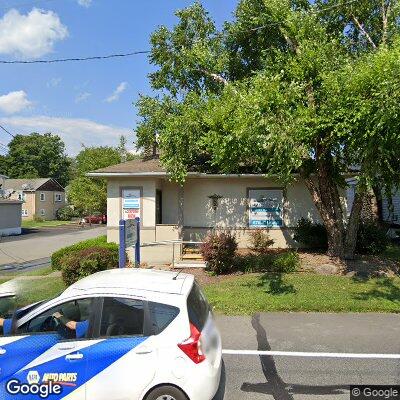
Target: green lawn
{"x":249,"y":294}
{"x":40,"y":224}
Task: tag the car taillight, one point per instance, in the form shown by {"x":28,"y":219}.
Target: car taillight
{"x":192,"y":346}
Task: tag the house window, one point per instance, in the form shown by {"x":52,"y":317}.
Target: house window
{"x":58,"y":197}
{"x":42,"y":197}
{"x":22,"y":196}
{"x":265,"y":208}
{"x":42,"y":212}
{"x":24,"y":213}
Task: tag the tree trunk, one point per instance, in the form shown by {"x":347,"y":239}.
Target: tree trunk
{"x":354,"y":223}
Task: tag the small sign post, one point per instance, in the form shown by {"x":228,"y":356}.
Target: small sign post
{"x":129,"y":236}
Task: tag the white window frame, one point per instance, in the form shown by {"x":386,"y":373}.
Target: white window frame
{"x":24,"y":212}
{"x":42,"y":196}
{"x":42,"y":212}
{"x":58,"y":197}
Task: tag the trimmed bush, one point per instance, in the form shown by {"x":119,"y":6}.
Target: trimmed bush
{"x":371,"y":239}
{"x":278,"y":263}
{"x":66,"y":214}
{"x":100,"y":241}
{"x":310,"y":235}
{"x":82,"y":263}
{"x":286,"y":263}
{"x":260,"y":241}
{"x":219,"y":251}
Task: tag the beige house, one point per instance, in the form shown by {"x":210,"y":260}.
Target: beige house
{"x":41,"y":197}
{"x":239,"y":203}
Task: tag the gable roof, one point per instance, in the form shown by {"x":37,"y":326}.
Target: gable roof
{"x":150,"y":166}
{"x":30,"y":185}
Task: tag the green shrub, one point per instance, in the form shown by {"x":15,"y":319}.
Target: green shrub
{"x":66,"y":213}
{"x":38,"y":218}
{"x":100,"y":241}
{"x":260,"y":241}
{"x":272,"y":263}
{"x":254,"y":262}
{"x":82,"y":263}
{"x":219,"y":251}
{"x":371,"y":239}
{"x":310,"y":235}
{"x":286,"y":262}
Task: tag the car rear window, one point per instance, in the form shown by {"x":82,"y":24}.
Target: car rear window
{"x":198,"y":307}
{"x":161,"y":315}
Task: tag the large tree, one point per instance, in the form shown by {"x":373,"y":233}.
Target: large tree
{"x":37,"y":156}
{"x":287,"y":88}
{"x":88,"y":194}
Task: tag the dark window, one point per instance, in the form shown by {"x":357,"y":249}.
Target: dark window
{"x":198,"y":307}
{"x":161,"y":315}
{"x":122,"y":317}
{"x":158,"y":207}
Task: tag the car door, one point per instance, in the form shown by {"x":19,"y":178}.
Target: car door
{"x":123,"y":363}
{"x":45,"y":351}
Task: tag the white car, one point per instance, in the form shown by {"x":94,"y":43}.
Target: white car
{"x":116,"y":335}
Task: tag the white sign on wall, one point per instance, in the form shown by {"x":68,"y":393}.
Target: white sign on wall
{"x":130,"y":203}
{"x":265,"y":208}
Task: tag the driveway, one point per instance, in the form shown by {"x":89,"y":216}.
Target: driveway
{"x":35,"y":246}
{"x":313,"y":375}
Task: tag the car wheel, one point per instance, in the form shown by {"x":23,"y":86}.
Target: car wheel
{"x":166,"y":393}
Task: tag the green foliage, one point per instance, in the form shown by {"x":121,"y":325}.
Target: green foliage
{"x":88,"y":194}
{"x":66,"y":213}
{"x":38,"y":218}
{"x":260,"y":241}
{"x":81,"y":263}
{"x":219,"y":251}
{"x":310,"y":235}
{"x":100,"y":241}
{"x":371,"y":239}
{"x":287,"y":86}
{"x":271,"y":263}
{"x":286,"y":262}
{"x":37,"y":156}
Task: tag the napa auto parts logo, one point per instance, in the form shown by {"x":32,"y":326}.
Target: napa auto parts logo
{"x":34,"y":387}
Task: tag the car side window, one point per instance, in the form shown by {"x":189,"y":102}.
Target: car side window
{"x":161,"y":315}
{"x":70,"y":320}
{"x":122,"y":317}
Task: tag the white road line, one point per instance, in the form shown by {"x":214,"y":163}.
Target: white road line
{"x":311,"y":354}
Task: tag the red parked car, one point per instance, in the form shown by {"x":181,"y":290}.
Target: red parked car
{"x":96,"y":218}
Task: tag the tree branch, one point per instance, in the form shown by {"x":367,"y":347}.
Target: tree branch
{"x":361,"y":28}
{"x":385,"y":16}
{"x":215,"y":77}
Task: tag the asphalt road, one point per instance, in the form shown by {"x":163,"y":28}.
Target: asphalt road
{"x":265,"y":377}
{"x":33,"y":249}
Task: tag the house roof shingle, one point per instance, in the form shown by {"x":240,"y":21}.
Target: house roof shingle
{"x":134,"y":166}
{"x":28,"y":185}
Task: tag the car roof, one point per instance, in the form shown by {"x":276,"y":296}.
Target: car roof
{"x":150,"y":280}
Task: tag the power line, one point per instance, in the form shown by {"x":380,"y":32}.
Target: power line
{"x":59,"y":60}
{"x":5,"y":130}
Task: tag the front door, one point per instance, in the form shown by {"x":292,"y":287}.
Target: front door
{"x":123,"y":363}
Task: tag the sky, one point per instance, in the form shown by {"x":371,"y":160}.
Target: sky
{"x":87,"y":103}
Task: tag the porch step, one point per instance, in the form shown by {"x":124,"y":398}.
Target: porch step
{"x":192,"y":256}
{"x":189,"y":264}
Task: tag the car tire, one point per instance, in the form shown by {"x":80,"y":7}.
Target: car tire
{"x":166,"y":392}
